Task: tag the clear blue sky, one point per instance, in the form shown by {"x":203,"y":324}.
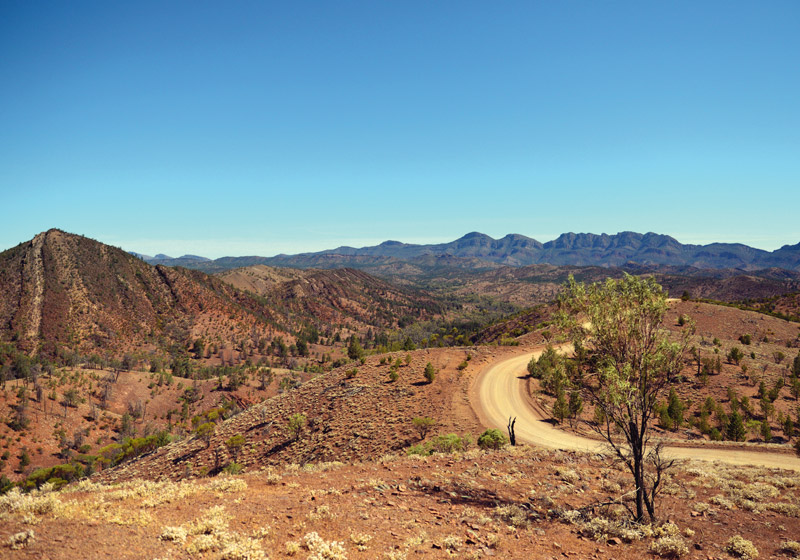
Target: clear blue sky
{"x":235,"y":128}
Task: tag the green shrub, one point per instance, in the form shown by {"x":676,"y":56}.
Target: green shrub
{"x":59,"y":475}
{"x":423,"y":425}
{"x":297,"y":422}
{"x":735,"y":355}
{"x":746,"y":339}
{"x":492,"y":439}
{"x":430,"y":373}
{"x":233,"y":468}
{"x":206,"y":431}
{"x":449,"y":443}
{"x":419,"y":449}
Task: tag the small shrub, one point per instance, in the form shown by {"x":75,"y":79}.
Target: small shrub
{"x":297,"y":422}
{"x":746,"y":339}
{"x":423,"y":425}
{"x":361,"y":540}
{"x":447,"y":444}
{"x":512,"y":514}
{"x":492,"y":439}
{"x":419,"y":449}
{"x":669,"y":547}
{"x":792,"y":548}
{"x":175,"y":534}
{"x":452,"y":542}
{"x":741,"y":548}
{"x":323,"y":550}
{"x":430,"y":373}
{"x":233,"y":468}
{"x":21,"y":540}
{"x":568,"y":475}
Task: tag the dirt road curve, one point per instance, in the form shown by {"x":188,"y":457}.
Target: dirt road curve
{"x":498,"y":393}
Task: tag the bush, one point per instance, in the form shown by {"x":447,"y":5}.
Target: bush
{"x":297,"y":422}
{"x":206,"y":431}
{"x":669,"y":547}
{"x":735,"y":355}
{"x":419,"y":449}
{"x":449,"y":443}
{"x":423,"y":425}
{"x":492,"y":439}
{"x":430,"y":373}
{"x":792,"y":548}
{"x":233,"y":468}
{"x":741,"y":548}
{"x":59,"y":475}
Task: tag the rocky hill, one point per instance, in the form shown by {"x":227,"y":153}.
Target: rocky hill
{"x":344,"y":296}
{"x":62,"y":293}
{"x":352,"y":413}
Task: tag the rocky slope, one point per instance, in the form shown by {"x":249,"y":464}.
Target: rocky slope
{"x":63,"y":293}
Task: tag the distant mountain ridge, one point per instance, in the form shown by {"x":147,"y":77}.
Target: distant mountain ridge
{"x":477,"y":250}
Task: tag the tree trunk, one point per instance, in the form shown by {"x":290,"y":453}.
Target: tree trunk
{"x":638,"y":471}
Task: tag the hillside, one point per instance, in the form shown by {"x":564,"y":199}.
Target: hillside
{"x":357,"y":411}
{"x":344,"y":476}
{"x":343,"y":419}
{"x":63,"y":293}
{"x":540,"y":283}
{"x":66,"y":297}
{"x":345,"y":297}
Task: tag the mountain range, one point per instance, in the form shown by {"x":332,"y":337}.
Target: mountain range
{"x":479,"y":251}
{"x":66,"y":293}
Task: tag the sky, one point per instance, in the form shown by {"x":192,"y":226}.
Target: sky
{"x":258,"y":128}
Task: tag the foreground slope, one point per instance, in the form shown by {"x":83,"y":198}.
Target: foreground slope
{"x":515,"y":503}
